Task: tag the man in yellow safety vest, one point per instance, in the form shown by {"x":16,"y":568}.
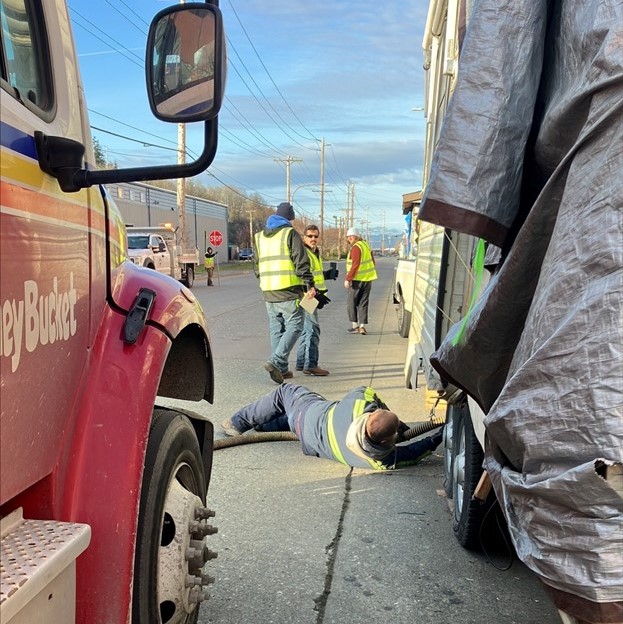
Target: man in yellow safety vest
{"x":359,"y":430}
{"x":307,"y":353}
{"x":208,"y":262}
{"x":285,"y":278}
{"x":360,"y":273}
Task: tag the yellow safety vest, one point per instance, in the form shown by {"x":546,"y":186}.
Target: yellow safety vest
{"x":366,"y":271}
{"x":339,"y":419}
{"x":209,"y":263}
{"x":277,"y":271}
{"x":316,"y":268}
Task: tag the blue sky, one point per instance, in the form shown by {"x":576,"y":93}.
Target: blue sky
{"x":349,"y":72}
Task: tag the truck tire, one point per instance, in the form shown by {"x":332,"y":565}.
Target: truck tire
{"x":189,"y":280}
{"x":404,"y":319}
{"x":149,"y":265}
{"x":467,"y":457}
{"x":454,"y":413}
{"x":173,"y":495}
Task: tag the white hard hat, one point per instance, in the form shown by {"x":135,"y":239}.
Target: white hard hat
{"x":352,"y":232}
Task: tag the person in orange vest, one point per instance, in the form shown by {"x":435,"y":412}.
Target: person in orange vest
{"x":360,"y":273}
{"x":209,"y":264}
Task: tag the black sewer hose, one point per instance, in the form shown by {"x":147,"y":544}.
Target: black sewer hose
{"x":287,"y":436}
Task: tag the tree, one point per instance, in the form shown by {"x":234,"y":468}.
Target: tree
{"x":100,"y":158}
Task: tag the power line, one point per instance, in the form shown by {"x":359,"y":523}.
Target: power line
{"x":311,"y":134}
{"x":127,"y":6}
{"x":265,"y":98}
{"x":125,"y":17}
{"x":140,"y":60}
{"x":249,"y":127}
{"x":233,"y":66}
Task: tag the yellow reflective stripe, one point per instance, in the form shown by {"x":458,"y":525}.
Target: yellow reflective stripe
{"x":335,"y":448}
{"x":368,"y":396}
{"x":358,"y":407}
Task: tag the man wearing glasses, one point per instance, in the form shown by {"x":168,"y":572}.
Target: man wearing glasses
{"x":308,"y":352}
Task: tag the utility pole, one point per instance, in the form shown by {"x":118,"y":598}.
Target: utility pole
{"x":250,"y":213}
{"x":383,"y":237}
{"x":347,"y":219}
{"x":352,"y":205}
{"x":288,"y":161}
{"x":181,"y":184}
{"x":322,"y":146}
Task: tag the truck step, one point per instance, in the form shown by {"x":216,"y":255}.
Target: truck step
{"x":37,"y":568}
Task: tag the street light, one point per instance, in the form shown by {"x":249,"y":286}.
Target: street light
{"x":301,"y":186}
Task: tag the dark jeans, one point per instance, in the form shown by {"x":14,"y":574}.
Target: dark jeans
{"x":287,"y":401}
{"x":357,"y":303}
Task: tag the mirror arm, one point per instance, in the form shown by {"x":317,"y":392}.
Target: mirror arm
{"x":85,"y":178}
{"x":72,"y":177}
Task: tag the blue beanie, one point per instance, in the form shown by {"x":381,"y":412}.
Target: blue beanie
{"x":284,"y":209}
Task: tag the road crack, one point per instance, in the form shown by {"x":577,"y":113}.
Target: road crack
{"x":331,"y":551}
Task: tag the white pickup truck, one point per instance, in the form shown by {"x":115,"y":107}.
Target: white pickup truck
{"x":157,"y":248}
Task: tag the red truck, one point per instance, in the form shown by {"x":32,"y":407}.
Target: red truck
{"x":112,"y":486}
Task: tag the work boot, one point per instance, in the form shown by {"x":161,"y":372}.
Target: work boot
{"x":275,"y":374}
{"x":288,"y":375}
{"x":317,"y":371}
{"x":228,"y":428}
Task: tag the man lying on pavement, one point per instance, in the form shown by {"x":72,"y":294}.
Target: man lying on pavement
{"x":359,"y":430}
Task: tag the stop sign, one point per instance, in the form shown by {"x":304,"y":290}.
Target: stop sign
{"x":216,"y":238}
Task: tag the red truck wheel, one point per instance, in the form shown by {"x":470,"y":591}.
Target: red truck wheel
{"x":170,"y":553}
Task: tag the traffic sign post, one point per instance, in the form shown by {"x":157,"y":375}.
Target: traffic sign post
{"x":216,"y":238}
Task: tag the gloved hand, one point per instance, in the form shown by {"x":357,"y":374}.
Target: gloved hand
{"x":322,"y":299}
{"x":402,"y":429}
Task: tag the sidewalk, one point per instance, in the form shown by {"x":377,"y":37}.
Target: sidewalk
{"x":376,"y":359}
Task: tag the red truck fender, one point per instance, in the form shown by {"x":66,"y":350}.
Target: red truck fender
{"x":102,"y":466}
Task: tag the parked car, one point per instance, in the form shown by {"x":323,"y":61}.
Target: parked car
{"x":246,"y":254}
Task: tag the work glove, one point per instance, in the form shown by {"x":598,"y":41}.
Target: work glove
{"x":322,"y":299}
{"x":402,"y":429}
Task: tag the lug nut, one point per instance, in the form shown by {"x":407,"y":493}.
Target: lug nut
{"x":192,"y":580}
{"x":209,"y":554}
{"x":206,"y":579}
{"x":197,"y":594}
{"x":199,"y":529}
{"x":202,"y":513}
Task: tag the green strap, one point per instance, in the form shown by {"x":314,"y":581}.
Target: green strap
{"x":478,"y":268}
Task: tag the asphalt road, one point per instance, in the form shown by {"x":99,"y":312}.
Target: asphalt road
{"x":306,"y":540}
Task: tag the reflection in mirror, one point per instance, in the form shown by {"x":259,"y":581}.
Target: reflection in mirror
{"x":183,"y":65}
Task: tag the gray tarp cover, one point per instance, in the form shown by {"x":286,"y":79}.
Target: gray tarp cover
{"x":531,"y":158}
